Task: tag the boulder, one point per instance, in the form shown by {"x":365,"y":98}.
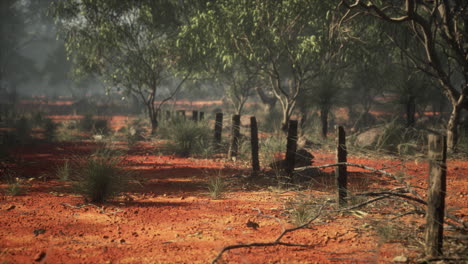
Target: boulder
{"x":369,"y":137}
{"x":303,"y":158}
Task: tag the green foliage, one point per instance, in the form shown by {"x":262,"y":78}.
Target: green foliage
{"x":187,"y":138}
{"x":216,"y":187}
{"x":99,"y":177}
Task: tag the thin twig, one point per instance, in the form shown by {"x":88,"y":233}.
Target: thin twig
{"x":276,"y":242}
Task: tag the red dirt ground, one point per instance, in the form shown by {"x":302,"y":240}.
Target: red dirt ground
{"x":171,"y":219}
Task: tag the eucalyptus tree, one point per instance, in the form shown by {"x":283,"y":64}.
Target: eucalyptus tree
{"x":285,"y":41}
{"x":131,"y":45}
{"x":439,"y":29}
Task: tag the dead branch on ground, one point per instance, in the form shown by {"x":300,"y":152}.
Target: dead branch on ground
{"x":276,"y":242}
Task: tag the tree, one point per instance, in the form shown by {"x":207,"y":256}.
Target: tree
{"x":285,"y":41}
{"x":439,"y":28}
{"x":15,"y":68}
{"x":131,"y":45}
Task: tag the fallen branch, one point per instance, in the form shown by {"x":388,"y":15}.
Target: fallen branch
{"x":276,"y":242}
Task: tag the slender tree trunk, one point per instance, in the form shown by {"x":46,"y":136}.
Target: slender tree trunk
{"x":452,"y":127}
{"x":410,"y":111}
{"x":324,"y":110}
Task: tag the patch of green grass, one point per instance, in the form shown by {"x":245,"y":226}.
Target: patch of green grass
{"x":187,"y":138}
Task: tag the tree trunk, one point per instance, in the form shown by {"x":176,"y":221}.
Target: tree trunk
{"x":324,"y":109}
{"x":452,"y":128}
{"x":269,"y":102}
{"x":410,"y":111}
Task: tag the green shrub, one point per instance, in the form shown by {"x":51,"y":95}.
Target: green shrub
{"x":216,"y":187}
{"x":397,"y":138}
{"x":187,"y":138}
{"x":99,"y":178}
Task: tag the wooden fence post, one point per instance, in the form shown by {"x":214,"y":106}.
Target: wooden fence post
{"x":168,"y":115}
{"x":218,"y":128}
{"x":235,"y":134}
{"x":291,"y":148}
{"x":202,"y":116}
{"x":195,"y":115}
{"x":436,"y":195}
{"x":254,"y":145}
{"x":341,"y":174}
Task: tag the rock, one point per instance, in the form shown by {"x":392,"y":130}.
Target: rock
{"x":39,"y":256}
{"x":39,"y":231}
{"x":369,"y":138}
{"x":303,"y":158}
{"x":400,"y":259}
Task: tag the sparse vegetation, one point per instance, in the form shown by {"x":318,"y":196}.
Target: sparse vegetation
{"x":64,"y":172}
{"x":187,"y":138}
{"x":99,"y":178}
{"x":216,"y":187}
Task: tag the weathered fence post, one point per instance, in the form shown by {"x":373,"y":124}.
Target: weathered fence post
{"x":291,"y":148}
{"x":341,"y":174}
{"x":195,"y":115}
{"x":202,"y":116}
{"x":235,"y":134}
{"x":218,"y":128}
{"x":436,"y":195}
{"x":168,"y":115}
{"x":254,"y":145}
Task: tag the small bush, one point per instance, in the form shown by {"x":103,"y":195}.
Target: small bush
{"x":15,"y":189}
{"x":134,"y":131}
{"x":216,"y":187}
{"x":302,"y":210}
{"x":187,"y":138}
{"x":100,"y":179}
{"x":63,"y":172}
